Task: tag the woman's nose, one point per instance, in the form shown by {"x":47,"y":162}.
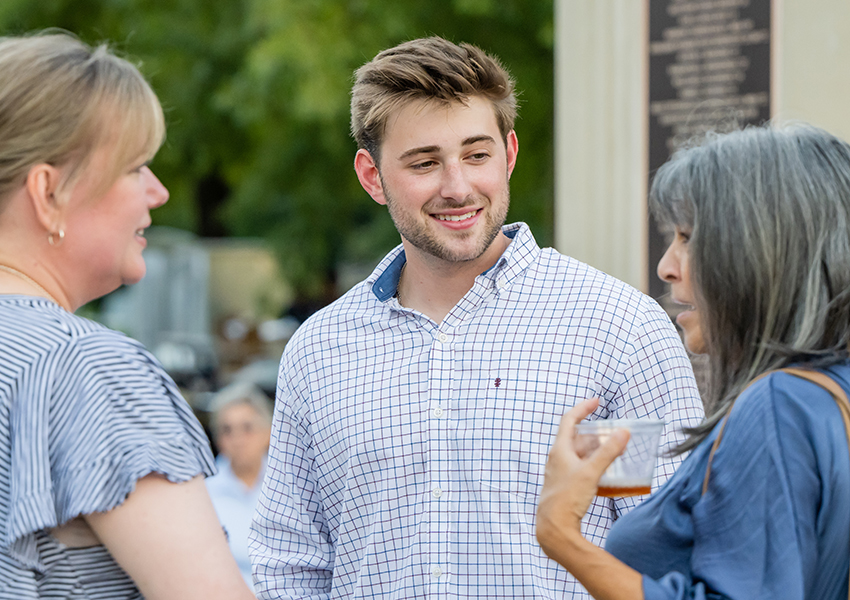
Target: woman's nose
{"x":668,"y":266}
{"x":158,"y":192}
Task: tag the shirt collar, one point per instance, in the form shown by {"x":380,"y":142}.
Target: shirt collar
{"x":520,"y":253}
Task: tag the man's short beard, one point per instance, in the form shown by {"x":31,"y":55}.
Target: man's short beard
{"x":421,"y":238}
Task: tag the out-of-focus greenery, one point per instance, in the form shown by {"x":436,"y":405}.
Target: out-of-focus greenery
{"x":256,"y":95}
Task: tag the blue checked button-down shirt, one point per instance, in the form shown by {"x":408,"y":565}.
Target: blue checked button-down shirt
{"x":407,"y":456}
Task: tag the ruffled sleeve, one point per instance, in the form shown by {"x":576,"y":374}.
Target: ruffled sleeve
{"x":90,"y":418}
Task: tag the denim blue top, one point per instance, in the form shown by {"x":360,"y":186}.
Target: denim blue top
{"x":775,"y":520}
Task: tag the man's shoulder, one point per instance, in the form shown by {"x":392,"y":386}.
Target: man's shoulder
{"x":566,"y":273}
{"x":343,"y":313}
{"x":364,"y":299}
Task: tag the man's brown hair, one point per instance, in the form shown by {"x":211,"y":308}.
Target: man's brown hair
{"x":426,"y":69}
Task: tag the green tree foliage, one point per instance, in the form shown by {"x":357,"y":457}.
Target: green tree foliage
{"x":256,"y":95}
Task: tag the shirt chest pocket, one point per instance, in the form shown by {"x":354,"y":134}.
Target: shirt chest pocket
{"x":515,"y":426}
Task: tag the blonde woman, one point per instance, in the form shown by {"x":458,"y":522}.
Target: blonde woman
{"x":101,"y":461}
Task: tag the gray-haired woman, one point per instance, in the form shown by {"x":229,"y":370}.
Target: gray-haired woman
{"x":101,"y":461}
{"x":761,"y":262}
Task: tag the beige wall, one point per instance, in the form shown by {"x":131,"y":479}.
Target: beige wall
{"x":812,"y":66}
{"x":600,"y":159}
{"x":600,"y":173}
{"x":244,"y":281}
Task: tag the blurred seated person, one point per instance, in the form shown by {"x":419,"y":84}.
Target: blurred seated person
{"x":241,"y":428}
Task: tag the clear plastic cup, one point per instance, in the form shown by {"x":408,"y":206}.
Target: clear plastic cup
{"x":631,"y":473}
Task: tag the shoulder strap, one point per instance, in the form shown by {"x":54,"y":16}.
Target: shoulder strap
{"x":816,"y":377}
{"x":720,"y":433}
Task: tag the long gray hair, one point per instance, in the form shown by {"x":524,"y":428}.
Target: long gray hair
{"x":768,"y":209}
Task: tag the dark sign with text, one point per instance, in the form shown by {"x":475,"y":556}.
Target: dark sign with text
{"x":709,"y":69}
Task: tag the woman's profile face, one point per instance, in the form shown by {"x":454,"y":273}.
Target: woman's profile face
{"x":674,"y":268}
{"x":106,"y":233}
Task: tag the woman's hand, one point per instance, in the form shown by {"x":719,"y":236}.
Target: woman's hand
{"x":570,"y":484}
{"x":571,"y":480}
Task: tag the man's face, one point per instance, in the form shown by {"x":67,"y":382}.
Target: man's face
{"x":444,"y":175}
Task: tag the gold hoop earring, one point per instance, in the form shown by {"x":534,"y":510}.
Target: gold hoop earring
{"x":60,"y":234}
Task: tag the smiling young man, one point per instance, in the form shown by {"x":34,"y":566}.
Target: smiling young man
{"x":415,"y":414}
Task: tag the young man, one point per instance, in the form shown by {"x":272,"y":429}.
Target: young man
{"x":415,"y":414}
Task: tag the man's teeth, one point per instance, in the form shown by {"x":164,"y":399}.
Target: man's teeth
{"x":462,"y":217}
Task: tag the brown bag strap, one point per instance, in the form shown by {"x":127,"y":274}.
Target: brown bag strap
{"x":816,"y":377}
{"x":720,"y":433}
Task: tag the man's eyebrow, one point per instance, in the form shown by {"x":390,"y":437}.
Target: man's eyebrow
{"x":427,"y":149}
{"x":422,"y":150}
{"x":478,"y":138}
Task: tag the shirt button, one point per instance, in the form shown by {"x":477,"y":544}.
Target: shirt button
{"x":500,"y":283}
{"x":438,"y":412}
{"x":442,"y":337}
{"x":437,"y":572}
{"x":436,"y":492}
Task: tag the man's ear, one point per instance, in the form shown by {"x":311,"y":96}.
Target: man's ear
{"x":42,"y":185}
{"x":369,"y":176}
{"x":512,"y":148}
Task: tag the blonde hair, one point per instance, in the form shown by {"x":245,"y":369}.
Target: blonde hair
{"x":60,"y":100}
{"x":426,"y":69}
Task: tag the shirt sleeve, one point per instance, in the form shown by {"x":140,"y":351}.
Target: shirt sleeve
{"x":658,"y":383}
{"x":89,"y":420}
{"x":290,"y":546}
{"x":755,"y":528}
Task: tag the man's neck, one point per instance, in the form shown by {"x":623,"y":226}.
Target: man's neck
{"x":433,"y":286}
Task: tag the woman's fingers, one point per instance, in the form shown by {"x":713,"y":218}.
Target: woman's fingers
{"x":581,"y":410}
{"x":566,"y":430}
{"x":613,"y":447}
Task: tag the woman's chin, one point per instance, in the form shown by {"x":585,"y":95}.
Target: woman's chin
{"x":134,"y":276}
{"x":694,"y":343}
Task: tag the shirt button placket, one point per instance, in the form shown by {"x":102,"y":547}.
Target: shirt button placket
{"x":440,"y":387}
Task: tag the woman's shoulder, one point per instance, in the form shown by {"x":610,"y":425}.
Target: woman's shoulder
{"x":38,"y":335}
{"x":781,"y":392}
{"x":79,"y":363}
{"x":791,"y":415}
{"x":37,"y":320}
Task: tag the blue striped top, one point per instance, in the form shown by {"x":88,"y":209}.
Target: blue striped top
{"x":84,"y":413}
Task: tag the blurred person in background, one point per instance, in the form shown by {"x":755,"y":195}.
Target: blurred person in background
{"x":241,"y":422}
{"x":415,"y":414}
{"x":759,"y":509}
{"x":101,"y":460}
